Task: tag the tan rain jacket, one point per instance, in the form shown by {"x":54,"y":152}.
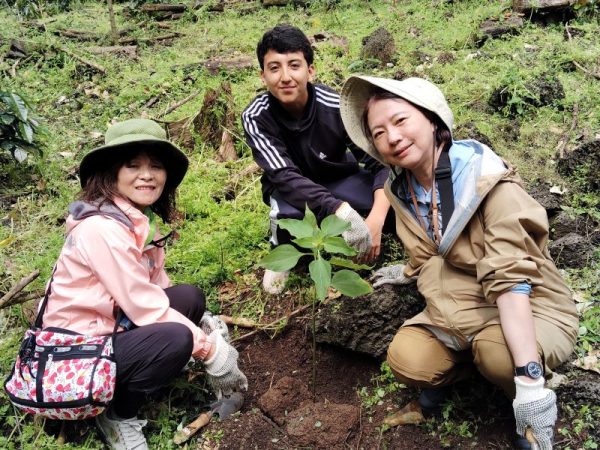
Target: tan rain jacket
{"x":495,"y":240}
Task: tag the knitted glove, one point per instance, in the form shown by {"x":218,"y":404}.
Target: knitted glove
{"x":358,"y":236}
{"x":210,"y":323}
{"x":222,"y":370}
{"x":391,"y":275}
{"x":535,"y":408}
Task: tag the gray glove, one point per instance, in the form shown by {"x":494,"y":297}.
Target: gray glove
{"x":358,"y":236}
{"x":535,"y":408}
{"x":210,"y":323}
{"x":391,"y":275}
{"x":222,"y":369}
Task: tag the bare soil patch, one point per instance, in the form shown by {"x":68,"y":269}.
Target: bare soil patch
{"x":280,"y":412}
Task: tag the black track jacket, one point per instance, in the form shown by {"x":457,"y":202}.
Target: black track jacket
{"x":297,"y":155}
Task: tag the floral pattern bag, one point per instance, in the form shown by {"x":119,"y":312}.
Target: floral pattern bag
{"x":60,"y":374}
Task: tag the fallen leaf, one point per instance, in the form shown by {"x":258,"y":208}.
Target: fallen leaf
{"x":590,"y":362}
{"x":556,"y":380}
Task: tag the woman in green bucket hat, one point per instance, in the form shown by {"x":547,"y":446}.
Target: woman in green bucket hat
{"x":477,"y":248}
{"x":113,"y":260}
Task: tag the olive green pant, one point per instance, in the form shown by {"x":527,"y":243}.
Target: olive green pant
{"x":419,"y":359}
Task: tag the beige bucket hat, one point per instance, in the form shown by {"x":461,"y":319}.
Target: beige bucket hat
{"x":358,"y":89}
{"x":143,"y":133}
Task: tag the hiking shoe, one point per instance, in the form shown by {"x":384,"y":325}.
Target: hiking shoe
{"x":122,"y":434}
{"x":274,"y":282}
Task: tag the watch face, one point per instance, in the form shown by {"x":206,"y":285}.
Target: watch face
{"x":534,"y":370}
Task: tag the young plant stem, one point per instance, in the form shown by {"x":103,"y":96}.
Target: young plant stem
{"x":314,"y":347}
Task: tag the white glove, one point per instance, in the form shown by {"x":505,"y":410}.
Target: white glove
{"x":222,"y":369}
{"x":535,"y":408}
{"x":391,"y":275}
{"x":210,"y":323}
{"x":358,"y":236}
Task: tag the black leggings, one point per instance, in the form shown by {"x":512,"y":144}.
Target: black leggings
{"x":150,"y":356}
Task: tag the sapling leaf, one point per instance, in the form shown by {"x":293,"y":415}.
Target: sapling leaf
{"x":334,"y":226}
{"x":340,"y":262}
{"x":307,"y":242}
{"x":282,"y":258}
{"x":350,"y":284}
{"x":320,"y":272}
{"x":297,"y":228}
{"x":337,"y":244}
{"x":310,"y":218}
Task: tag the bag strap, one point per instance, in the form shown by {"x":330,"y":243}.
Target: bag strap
{"x":443,"y":175}
{"x":40,"y":315}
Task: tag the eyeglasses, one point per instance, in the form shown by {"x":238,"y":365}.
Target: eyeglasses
{"x":168,"y":239}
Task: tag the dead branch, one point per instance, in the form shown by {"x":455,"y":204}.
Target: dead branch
{"x":127,"y":50}
{"x":150,"y":8}
{"x":19,"y":287}
{"x":148,"y":40}
{"x":24,"y":298}
{"x":87,"y":62}
{"x":214,"y":65}
{"x":591,"y":73}
{"x":565,"y":137}
{"x":172,"y":108}
{"x":272,"y":324}
{"x":77,"y":34}
{"x":38,"y":24}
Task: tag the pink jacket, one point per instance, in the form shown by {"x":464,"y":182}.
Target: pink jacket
{"x":103,"y":264}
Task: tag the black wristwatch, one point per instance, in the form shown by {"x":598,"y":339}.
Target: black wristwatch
{"x":531,"y":369}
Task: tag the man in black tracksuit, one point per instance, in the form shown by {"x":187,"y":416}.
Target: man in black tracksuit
{"x":298,"y":139}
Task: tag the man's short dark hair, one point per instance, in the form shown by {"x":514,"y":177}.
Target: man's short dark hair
{"x":284,"y":39}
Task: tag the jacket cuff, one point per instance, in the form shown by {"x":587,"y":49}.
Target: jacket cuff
{"x":203,"y":347}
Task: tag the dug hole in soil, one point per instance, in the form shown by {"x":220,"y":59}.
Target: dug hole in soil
{"x":279,"y":411}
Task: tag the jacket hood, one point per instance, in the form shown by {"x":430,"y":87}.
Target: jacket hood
{"x":80,"y":210}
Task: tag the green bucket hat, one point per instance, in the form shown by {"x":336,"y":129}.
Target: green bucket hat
{"x":140,"y":133}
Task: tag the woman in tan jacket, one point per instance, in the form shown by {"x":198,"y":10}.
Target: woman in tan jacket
{"x":477,"y":249}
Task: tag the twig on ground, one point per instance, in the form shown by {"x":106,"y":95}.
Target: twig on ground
{"x":23,"y":298}
{"x":146,"y":40}
{"x":273,"y":424}
{"x":272,"y":324}
{"x":18,"y":287}
{"x":172,"y":108}
{"x":565,"y":137}
{"x":591,"y":73}
{"x":568,"y":32}
{"x":87,"y":62}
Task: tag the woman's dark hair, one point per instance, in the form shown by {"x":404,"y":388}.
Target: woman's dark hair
{"x":442,"y":133}
{"x":284,"y":38}
{"x":102,"y":184}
